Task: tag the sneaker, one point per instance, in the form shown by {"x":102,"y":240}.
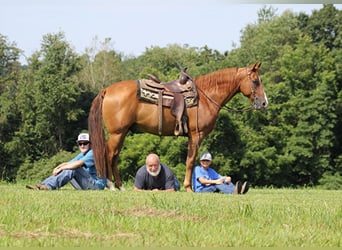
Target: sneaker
{"x":238,"y":186}
{"x":37,"y":187}
{"x":244,"y":188}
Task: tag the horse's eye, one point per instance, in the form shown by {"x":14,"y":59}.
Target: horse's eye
{"x":256,"y":82}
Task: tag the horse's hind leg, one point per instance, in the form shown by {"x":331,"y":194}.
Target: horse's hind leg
{"x":114,"y":145}
{"x":116,"y":173}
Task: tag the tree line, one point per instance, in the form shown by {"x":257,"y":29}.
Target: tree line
{"x":45,"y":103}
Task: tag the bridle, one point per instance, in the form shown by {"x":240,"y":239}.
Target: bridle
{"x":253,"y":90}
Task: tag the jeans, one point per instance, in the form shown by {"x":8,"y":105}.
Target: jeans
{"x":177,"y":185}
{"x":224,"y":188}
{"x":78,"y":178}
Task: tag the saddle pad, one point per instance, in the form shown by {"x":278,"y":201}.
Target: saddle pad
{"x":151,"y":94}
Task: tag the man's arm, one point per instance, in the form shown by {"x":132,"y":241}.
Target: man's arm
{"x":155,"y":190}
{"x":138,"y":189}
{"x":139,"y":180}
{"x":206,"y":182}
{"x":67,"y":165}
{"x":168,"y":190}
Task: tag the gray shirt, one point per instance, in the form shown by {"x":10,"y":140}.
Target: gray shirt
{"x":165,"y":179}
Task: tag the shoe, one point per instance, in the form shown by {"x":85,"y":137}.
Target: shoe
{"x":37,"y":187}
{"x":238,"y":186}
{"x":244,"y":188}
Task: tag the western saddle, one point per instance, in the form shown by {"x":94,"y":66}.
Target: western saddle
{"x":177,"y":95}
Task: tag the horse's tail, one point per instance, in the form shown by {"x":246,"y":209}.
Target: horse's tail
{"x":97,"y":135}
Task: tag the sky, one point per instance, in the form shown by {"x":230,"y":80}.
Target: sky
{"x":133,"y":25}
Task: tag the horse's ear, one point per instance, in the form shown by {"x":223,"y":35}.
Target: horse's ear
{"x":256,"y":66}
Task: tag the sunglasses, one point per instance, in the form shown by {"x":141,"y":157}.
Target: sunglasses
{"x":83,"y":143}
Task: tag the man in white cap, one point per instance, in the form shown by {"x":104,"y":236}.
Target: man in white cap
{"x":206,"y":179}
{"x":80,"y":171}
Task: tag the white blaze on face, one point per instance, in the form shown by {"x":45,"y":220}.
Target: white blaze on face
{"x":265,"y":96}
{"x":266,"y":101}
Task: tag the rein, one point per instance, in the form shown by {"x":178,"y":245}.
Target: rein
{"x":238,"y":110}
{"x":224,"y":107}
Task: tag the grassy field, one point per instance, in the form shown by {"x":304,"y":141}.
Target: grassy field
{"x":261,"y":218}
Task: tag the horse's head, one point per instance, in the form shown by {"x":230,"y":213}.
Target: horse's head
{"x":251,"y":86}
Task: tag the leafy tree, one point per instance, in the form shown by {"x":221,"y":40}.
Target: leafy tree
{"x":265,"y":40}
{"x":292,"y":145}
{"x":309,"y":112}
{"x":167,"y":62}
{"x":47,"y":99}
{"x":266,"y":14}
{"x":324,"y":26}
{"x":9,"y":120}
{"x":101,"y":65}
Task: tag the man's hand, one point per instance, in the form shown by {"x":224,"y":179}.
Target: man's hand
{"x":219,"y":181}
{"x":56,"y":170}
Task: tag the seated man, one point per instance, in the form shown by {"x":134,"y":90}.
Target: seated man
{"x":80,"y":171}
{"x":206,"y":179}
{"x":155,"y":176}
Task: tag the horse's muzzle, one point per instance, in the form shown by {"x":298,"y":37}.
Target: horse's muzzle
{"x":260,"y":104}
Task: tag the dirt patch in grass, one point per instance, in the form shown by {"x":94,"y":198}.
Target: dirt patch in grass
{"x":70,"y":234}
{"x":144,"y":211}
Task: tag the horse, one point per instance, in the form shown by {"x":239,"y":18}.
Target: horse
{"x":117,"y":109}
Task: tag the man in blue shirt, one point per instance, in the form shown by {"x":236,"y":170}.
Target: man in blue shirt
{"x":80,"y":171}
{"x":206,"y":179}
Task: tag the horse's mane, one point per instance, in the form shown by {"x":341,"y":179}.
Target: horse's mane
{"x":216,"y":78}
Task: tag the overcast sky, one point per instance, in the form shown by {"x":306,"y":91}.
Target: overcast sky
{"x":133,"y":25}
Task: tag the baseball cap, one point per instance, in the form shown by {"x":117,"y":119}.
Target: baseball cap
{"x":83,"y":137}
{"x":206,"y":156}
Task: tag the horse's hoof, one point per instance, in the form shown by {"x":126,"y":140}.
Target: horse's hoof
{"x":112,"y":189}
{"x":122,"y":188}
{"x":188,"y":189}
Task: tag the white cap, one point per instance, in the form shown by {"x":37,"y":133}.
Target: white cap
{"x":206,"y":156}
{"x":83,"y":137}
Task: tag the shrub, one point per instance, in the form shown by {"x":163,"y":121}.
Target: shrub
{"x":39,"y":170}
{"x":331,"y":181}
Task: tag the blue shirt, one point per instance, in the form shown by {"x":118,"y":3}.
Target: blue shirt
{"x":209,"y":174}
{"x":89,"y":167}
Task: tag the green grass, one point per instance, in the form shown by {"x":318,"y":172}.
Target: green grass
{"x":262,"y":218}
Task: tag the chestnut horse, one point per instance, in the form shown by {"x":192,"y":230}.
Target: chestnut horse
{"x":118,"y":108}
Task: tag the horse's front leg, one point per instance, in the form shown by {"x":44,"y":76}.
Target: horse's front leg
{"x":193,"y":146}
